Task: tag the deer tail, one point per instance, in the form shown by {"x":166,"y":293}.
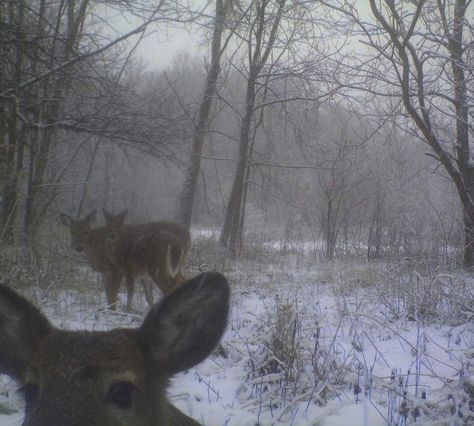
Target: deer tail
{"x":173,"y":259}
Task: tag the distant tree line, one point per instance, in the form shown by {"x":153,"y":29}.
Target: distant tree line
{"x":314,"y":121}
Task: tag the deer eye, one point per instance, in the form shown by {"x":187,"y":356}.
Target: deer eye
{"x":121,"y":394}
{"x":30,"y":393}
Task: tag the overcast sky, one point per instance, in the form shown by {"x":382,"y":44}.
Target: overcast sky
{"x":160,"y":44}
{"x":159,"y":49}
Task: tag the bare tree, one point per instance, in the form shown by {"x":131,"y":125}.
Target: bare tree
{"x":263,"y":26}
{"x":194,"y":167}
{"x":54,"y":79}
{"x":420,"y":53}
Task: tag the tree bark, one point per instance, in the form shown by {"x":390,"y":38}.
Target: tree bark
{"x":410,"y":76}
{"x":43,"y":139}
{"x":231,"y":233}
{"x":462,"y":129}
{"x":469,"y":239}
{"x":192,"y":172}
{"x":13,"y":146}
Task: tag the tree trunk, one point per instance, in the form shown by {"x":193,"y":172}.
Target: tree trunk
{"x":329,"y":237}
{"x":39,"y":154}
{"x":85,"y":187}
{"x":375,"y":231}
{"x":231,"y":234}
{"x":462,"y":130}
{"x":14,"y":138}
{"x":229,"y":237}
{"x":415,"y":86}
{"x":56,"y":89}
{"x":468,"y":211}
{"x":12,"y":168}
{"x":469,"y":239}
{"x":192,"y":172}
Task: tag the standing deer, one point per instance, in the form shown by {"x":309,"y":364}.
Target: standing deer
{"x":157,"y":253}
{"x":117,"y":221}
{"x":91,"y":242}
{"x":157,"y":248}
{"x":117,"y":377}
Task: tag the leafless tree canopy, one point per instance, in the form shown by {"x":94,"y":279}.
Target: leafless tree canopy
{"x":347,"y":124}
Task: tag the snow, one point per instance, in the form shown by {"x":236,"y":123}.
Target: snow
{"x":335,"y":338}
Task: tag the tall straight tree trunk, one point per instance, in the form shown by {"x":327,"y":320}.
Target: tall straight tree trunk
{"x":14,"y":138}
{"x":43,"y":139}
{"x":469,"y":239}
{"x":12,"y":164}
{"x":230,"y":234}
{"x":259,"y":52}
{"x":374,"y":240}
{"x":329,"y":236}
{"x":462,"y":128}
{"x":5,"y":146}
{"x":192,"y":172}
{"x":38,"y":163}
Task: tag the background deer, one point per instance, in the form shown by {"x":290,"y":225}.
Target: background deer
{"x":160,"y":254}
{"x":157,"y":248}
{"x":117,"y":377}
{"x":117,"y":223}
{"x":92,"y":243}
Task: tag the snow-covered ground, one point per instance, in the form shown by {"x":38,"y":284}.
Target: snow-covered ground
{"x":307,"y":348}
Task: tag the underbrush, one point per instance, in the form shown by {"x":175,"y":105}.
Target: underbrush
{"x":206,"y":254}
{"x":442,"y":298}
{"x":396,"y":339}
{"x":39,"y":265}
{"x":402,"y":342}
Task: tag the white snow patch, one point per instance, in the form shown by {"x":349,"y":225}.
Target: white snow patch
{"x":357,"y":344}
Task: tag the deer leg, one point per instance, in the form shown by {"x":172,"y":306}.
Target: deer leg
{"x":162,"y":280}
{"x":112,"y":281}
{"x":108,"y":293}
{"x":130,"y":283}
{"x":180,"y":279}
{"x":148,"y":289}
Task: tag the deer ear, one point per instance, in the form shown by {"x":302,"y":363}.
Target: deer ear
{"x":185,"y":327}
{"x":22,"y":326}
{"x":66,"y":220}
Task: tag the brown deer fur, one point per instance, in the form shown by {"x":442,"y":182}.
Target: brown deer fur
{"x":157,"y":248}
{"x":91,"y":242}
{"x":119,"y":250}
{"x":111,"y":378}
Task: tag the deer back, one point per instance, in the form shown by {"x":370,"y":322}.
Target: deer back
{"x":117,"y":377}
{"x":116,"y":223}
{"x":136,"y":251}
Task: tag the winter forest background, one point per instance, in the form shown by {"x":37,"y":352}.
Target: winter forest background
{"x":318,"y":145}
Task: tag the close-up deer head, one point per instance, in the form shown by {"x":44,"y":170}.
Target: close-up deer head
{"x":117,"y":377}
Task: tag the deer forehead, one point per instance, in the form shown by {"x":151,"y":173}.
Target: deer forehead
{"x":89,"y":355}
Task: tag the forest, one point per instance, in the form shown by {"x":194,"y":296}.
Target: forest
{"x":317,"y":153}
